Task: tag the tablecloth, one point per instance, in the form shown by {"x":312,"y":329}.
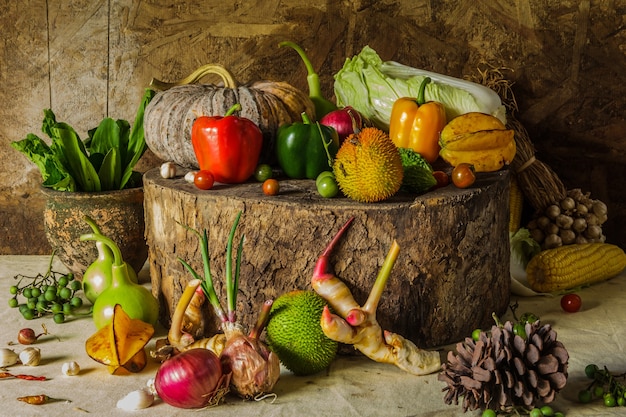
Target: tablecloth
{"x":352,"y":386}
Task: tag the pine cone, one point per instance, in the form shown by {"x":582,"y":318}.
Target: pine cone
{"x":502,"y":370}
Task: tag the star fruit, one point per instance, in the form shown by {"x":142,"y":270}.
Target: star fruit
{"x":120,"y":344}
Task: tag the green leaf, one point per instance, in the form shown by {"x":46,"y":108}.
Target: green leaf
{"x":105,"y":137}
{"x":110,"y":172}
{"x":76,"y":160}
{"x":137,"y":142}
{"x":53,"y":173}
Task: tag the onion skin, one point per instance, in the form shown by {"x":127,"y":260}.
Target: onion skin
{"x":345,"y":121}
{"x":255,"y":369}
{"x":192,"y":379}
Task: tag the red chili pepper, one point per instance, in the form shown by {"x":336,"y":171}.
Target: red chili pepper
{"x":22,"y":376}
{"x":228,"y":146}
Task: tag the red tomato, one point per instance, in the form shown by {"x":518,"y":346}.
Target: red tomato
{"x":203,"y":179}
{"x":463,"y":175}
{"x":442,"y":179}
{"x":571,"y":303}
{"x":271,"y":187}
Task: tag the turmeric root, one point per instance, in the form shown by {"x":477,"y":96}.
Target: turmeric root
{"x":357,"y":325}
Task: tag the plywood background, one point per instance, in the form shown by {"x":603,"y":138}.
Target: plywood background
{"x":88,"y":59}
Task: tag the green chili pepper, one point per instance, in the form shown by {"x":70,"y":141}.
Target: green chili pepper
{"x":323,"y":106}
{"x":304,"y":150}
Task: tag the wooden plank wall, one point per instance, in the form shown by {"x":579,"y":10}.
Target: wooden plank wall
{"x":87,"y":59}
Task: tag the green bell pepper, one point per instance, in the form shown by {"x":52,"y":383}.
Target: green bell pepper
{"x":304,"y":150}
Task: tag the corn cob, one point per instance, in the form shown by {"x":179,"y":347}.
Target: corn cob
{"x":571,"y":266}
{"x":516,"y":202}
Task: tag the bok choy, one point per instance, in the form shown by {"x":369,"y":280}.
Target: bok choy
{"x":371,"y":86}
{"x":105,"y":161}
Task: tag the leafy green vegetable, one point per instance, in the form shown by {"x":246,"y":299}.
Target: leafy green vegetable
{"x":523,"y":247}
{"x":418,"y":174}
{"x":371,"y":86}
{"x":103,"y":162}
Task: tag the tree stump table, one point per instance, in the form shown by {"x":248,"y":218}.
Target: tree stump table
{"x":451,"y":275}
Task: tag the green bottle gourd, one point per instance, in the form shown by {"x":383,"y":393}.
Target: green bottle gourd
{"x":136,"y":300}
{"x":97,"y":276}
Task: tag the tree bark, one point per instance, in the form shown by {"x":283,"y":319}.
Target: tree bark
{"x":451,"y":275}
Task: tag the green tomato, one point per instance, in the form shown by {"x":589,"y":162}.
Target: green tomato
{"x":535,"y":412}
{"x":328,"y":187}
{"x":263,"y":172}
{"x":476,"y":334}
{"x":547,"y":411}
{"x":489,"y":413}
{"x":609,"y":400}
{"x":323,"y":175}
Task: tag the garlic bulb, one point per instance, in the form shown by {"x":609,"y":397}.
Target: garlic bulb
{"x":168,"y":170}
{"x":7,"y":357}
{"x":31,"y":356}
{"x":70,"y":368}
{"x":190,"y":176}
{"x":136,"y":400}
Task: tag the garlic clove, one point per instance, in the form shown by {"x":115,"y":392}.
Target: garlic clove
{"x":168,"y":170}
{"x":136,"y":400}
{"x":190,"y":176}
{"x":7,"y":357}
{"x":31,"y":356}
{"x":70,"y":368}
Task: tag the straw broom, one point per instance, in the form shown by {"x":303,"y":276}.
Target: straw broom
{"x":540,"y":185}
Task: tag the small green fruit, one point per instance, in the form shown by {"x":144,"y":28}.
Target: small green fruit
{"x":295,"y":335}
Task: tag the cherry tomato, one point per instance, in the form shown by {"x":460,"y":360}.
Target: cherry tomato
{"x":271,"y":187}
{"x":327,"y":186}
{"x":203,"y":180}
{"x":463,"y":175}
{"x":442,"y":179}
{"x":263,"y":172}
{"x":571,"y":303}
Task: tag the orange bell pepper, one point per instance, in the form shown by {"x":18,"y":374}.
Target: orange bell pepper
{"x":416,"y":124}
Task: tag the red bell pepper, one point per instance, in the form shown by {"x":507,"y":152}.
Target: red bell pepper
{"x":227,"y":146}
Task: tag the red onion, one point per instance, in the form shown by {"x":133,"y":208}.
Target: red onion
{"x":191,"y":379}
{"x":345,"y":121}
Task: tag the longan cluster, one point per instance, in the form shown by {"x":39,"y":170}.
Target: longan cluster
{"x":577,"y":218}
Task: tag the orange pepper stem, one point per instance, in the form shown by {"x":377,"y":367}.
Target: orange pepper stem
{"x":421,"y":93}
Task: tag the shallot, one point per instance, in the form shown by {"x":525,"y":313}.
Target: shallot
{"x":255,"y":369}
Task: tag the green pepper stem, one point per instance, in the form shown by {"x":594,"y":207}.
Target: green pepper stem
{"x":305,"y":119}
{"x":326,"y":145}
{"x":234,"y":108}
{"x":422,"y":91}
{"x":117,"y":254}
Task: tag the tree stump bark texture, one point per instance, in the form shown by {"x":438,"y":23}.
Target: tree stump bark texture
{"x":451,"y":275}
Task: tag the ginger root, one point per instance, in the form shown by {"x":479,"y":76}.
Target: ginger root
{"x":357,"y":325}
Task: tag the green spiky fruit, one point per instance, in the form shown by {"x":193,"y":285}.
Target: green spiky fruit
{"x":368,"y":167}
{"x":295,"y":335}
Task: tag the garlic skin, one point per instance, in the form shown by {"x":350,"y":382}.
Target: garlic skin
{"x":190,"y":176}
{"x":7,"y":357}
{"x":136,"y":400}
{"x":31,"y":356}
{"x":168,"y":170}
{"x":70,"y":368}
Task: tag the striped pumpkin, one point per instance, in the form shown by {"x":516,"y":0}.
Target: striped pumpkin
{"x":170,"y":115}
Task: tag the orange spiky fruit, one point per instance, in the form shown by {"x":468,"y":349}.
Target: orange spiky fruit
{"x":368,"y":166}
